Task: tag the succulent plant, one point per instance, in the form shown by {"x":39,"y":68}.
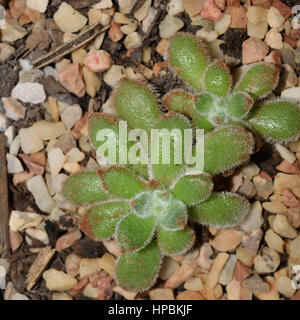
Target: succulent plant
{"x":149,"y":209}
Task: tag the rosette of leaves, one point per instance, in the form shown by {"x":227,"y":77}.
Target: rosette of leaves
{"x":216,"y":101}
{"x":148,"y":208}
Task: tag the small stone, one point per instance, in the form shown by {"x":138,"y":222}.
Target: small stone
{"x":247,"y":189}
{"x":275,"y":19}
{"x":36,"y":185}
{"x":90,"y":292}
{"x":256,"y":284}
{"x":37,"y":5}
{"x":291,"y":93}
{"x":107,"y":263}
{"x":103,"y":4}
{"x":133,"y":41}
{"x":169,"y":26}
{"x":29,"y":141}
{"x":15,"y":240}
{"x":283,"y":181}
{"x":148,"y":21}
{"x":70,"y":76}
{"x":203,"y":261}
{"x":179,"y":276}
{"x":72,"y":264}
{"x":38,"y":234}
{"x":207,"y":36}
{"x":88,"y":267}
{"x":71,"y":115}
{"x":68,"y":19}
{"x":251,"y":241}
{"x":19,"y":221}
{"x":58,"y":280}
{"x":241,"y":272}
{"x":274,"y":241}
{"x":268,"y":261}
{"x":227,"y":272}
{"x":194,"y":284}
{"x":13,"y":164}
{"x":175,"y":7}
{"x":61,"y":296}
{"x":295,"y":247}
{"x":275,"y":207}
{"x":169,"y":266}
{"x":274,"y":57}
{"x":115,"y":33}
{"x":19,"y":296}
{"x":78,"y":56}
{"x":289,"y":77}
{"x":12,"y":31}
{"x":281,"y":226}
{"x":75,"y":155}
{"x":216,"y":268}
{"x":272,"y":293}
{"x":114,"y":75}
{"x":223,"y":24}
{"x":254,"y":50}
{"x":236,"y":291}
{"x":210,"y":11}
{"x":129,"y":28}
{"x":289,"y":199}
{"x":6,"y":51}
{"x":254,"y":219}
{"x":189,"y":295}
{"x":264,"y":187}
{"x":141,"y":13}
{"x":250,"y":170}
{"x":161,"y":294}
{"x":284,"y":286}
{"x":274,"y":39}
{"x":129,"y":295}
{"x":98,"y":60}
{"x":29,"y":92}
{"x":67,"y":240}
{"x":258,"y":30}
{"x":238,"y":17}
{"x":227,"y":240}
{"x":56,"y":160}
{"x":193,"y":7}
{"x":245,"y":256}
{"x":256,"y":14}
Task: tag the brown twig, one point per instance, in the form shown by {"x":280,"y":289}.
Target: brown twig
{"x":4,"y":237}
{"x":81,"y":39}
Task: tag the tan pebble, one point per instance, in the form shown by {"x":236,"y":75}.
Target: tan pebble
{"x":245,"y":256}
{"x":161,"y":294}
{"x":227,"y":240}
{"x":236,"y":291}
{"x":275,"y":207}
{"x":272,"y":293}
{"x":216,"y":268}
{"x":92,"y":81}
{"x":189,"y":295}
{"x":179,"y":276}
{"x":284,"y":286}
{"x":274,"y":241}
{"x":282,"y":227}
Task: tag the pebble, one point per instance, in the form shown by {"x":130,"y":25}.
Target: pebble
{"x":256,"y":14}
{"x":194,"y":284}
{"x":284,"y":286}
{"x":238,"y":17}
{"x":216,"y":268}
{"x":254,"y":219}
{"x":56,"y":159}
{"x":90,"y":292}
{"x":254,"y":50}
{"x":98,"y":60}
{"x":61,"y":296}
{"x":36,"y":185}
{"x":236,"y":291}
{"x":285,"y":153}
{"x":87,"y":267}
{"x":29,"y":141}
{"x":38,"y":234}
{"x":70,"y":76}
{"x":114,"y":75}
{"x":29,"y":92}
{"x":67,"y":240}
{"x":71,"y":115}
{"x":289,"y":77}
{"x":291,"y":93}
{"x":272,"y":293}
{"x":274,"y":39}
{"x":193,"y":7}
{"x":141,"y":13}
{"x":133,"y":41}
{"x":175,"y":7}
{"x":19,"y":296}
{"x":247,"y":189}
{"x":257,"y":30}
{"x":47,"y":130}
{"x":13,"y":109}
{"x":281,"y":226}
{"x":268,"y":261}
{"x":161,"y":294}
{"x":6,"y":51}
{"x":283,"y":181}
{"x":275,"y":207}
{"x":129,"y":28}
{"x":37,"y":5}
{"x":189,"y":295}
{"x":115,"y":33}
{"x":103,"y":4}
{"x":72,"y":264}
{"x":275,"y":19}
{"x":223,"y":24}
{"x":210,"y":11}
{"x":203,"y":261}
{"x":129,"y":295}
{"x":13,"y":164}
{"x":207,"y":36}
{"x":15,"y":240}
{"x":179,"y":276}
{"x":274,"y":241}
{"x":19,"y":220}
{"x":227,"y":240}
{"x":256,"y":284}
{"x":68,"y":19}
{"x":169,"y":266}
{"x":227,"y":272}
{"x":148,"y":21}
{"x":245,"y":256}
{"x":169,"y":26}
{"x":252,"y":240}
{"x":295,"y":247}
{"x":264,"y":187}
{"x":13,"y":31}
{"x":126,"y":5}
{"x":250,"y":170}
{"x":58,"y":280}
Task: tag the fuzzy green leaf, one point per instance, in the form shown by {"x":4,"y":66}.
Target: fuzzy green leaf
{"x":137,"y":104}
{"x":226,"y":148}
{"x":134,"y":233}
{"x":100,"y":221}
{"x":189,"y":57}
{"x":202,"y":123}
{"x":138,"y":271}
{"x":84,"y":188}
{"x":121,"y":182}
{"x":173,"y":123}
{"x":192,"y":189}
{"x":239,"y":104}
{"x":205,"y":103}
{"x":276,"y":121}
{"x":259,"y":80}
{"x":181,"y":101}
{"x":174,"y":243}
{"x":217,"y":78}
{"x":221,"y":210}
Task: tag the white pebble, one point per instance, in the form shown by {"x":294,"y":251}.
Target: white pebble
{"x":13,"y":164}
{"x":56,"y":160}
{"x":29,"y":92}
{"x":285,"y":153}
{"x":169,"y":26}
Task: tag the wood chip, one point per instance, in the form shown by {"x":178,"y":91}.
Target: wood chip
{"x":4,"y":213}
{"x":38,"y":266}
